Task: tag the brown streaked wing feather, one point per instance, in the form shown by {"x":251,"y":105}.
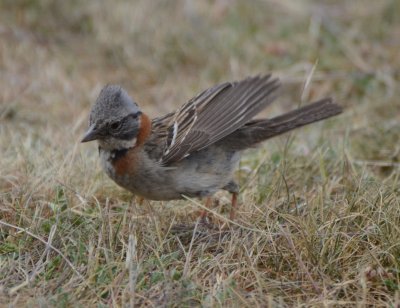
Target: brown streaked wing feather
{"x":214,"y":114}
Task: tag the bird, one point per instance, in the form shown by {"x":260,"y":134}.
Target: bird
{"x":193,"y":151}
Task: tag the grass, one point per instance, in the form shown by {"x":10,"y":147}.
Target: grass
{"x":319,"y":218}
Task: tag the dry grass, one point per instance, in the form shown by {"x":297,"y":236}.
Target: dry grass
{"x":319,"y":222}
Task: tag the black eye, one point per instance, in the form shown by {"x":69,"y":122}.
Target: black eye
{"x":115,"y":125}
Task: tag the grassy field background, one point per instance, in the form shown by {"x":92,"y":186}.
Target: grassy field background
{"x":319,"y":222}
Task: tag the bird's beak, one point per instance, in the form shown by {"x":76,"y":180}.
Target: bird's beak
{"x":90,"y":134}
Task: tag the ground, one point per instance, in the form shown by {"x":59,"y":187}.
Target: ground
{"x":319,"y":216}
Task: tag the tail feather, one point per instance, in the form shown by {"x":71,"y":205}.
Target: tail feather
{"x":259,"y":130}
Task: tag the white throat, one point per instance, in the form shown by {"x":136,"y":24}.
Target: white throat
{"x":112,"y":144}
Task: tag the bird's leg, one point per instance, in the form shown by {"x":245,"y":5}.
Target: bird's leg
{"x":232,"y":213}
{"x":139,"y":200}
{"x":204,"y":213}
{"x":233,"y":188}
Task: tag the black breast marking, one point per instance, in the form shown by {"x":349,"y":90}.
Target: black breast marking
{"x":116,"y":155}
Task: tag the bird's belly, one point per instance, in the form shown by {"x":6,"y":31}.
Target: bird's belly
{"x":149,"y":183}
{"x":205,"y":172}
{"x":199,"y":175}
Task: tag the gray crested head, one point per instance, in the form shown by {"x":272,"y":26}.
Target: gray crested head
{"x":114,"y":117}
{"x":112,"y":103}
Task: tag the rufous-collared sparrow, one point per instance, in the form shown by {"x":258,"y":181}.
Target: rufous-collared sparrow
{"x":193,"y":151}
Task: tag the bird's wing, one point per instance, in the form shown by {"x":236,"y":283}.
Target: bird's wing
{"x":212,"y":115}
